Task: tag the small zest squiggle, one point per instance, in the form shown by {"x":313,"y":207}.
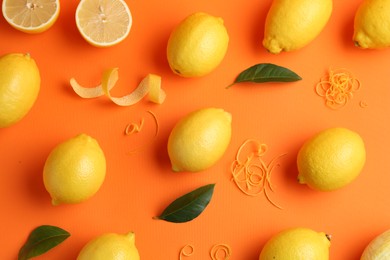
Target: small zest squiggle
{"x":219,"y":249}
{"x":186,"y":251}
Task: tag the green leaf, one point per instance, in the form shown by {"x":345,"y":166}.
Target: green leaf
{"x":41,"y":240}
{"x":188,"y":206}
{"x":266,"y":72}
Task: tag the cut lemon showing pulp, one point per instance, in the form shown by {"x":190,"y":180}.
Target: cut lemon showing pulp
{"x":31,"y":16}
{"x":103,"y":23}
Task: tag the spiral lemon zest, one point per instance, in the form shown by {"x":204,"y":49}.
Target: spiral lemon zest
{"x":151,"y":85}
{"x":337,"y":88}
{"x":250,"y":173}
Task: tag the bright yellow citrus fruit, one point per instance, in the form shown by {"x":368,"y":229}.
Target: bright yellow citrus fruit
{"x":297,"y":244}
{"x":103,"y":23}
{"x":74,"y":170}
{"x":372,"y":24}
{"x":19,"y":87}
{"x":378,"y":248}
{"x":110,"y":246}
{"x":199,"y":139}
{"x":31,"y":16}
{"x":331,"y":159}
{"x":292,"y":24}
{"x":197,"y":45}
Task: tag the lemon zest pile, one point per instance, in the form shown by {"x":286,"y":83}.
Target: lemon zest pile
{"x":216,"y":249}
{"x":186,"y":251}
{"x":251,"y":177}
{"x":337,"y":87}
{"x":151,"y":85}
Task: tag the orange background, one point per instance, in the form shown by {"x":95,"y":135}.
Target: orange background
{"x":140,"y":186}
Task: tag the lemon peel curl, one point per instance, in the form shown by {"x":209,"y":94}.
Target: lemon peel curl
{"x":151,"y":85}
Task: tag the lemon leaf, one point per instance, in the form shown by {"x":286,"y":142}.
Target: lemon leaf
{"x":41,"y":240}
{"x":188,"y":206}
{"x":266,"y":72}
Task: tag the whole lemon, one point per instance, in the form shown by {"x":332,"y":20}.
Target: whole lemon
{"x":378,"y":248}
{"x":197,"y":45}
{"x":372,"y":24}
{"x":297,"y":244}
{"x":292,"y":24}
{"x":19,"y":87}
{"x":199,"y":139}
{"x":74,"y":170}
{"x":331,"y":159}
{"x":110,"y":246}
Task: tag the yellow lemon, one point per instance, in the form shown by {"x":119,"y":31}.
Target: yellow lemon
{"x":74,"y":170}
{"x":199,"y":139}
{"x":378,"y":248}
{"x":19,"y":87}
{"x":331,"y":159}
{"x":31,"y":16}
{"x":372,"y":24}
{"x":297,"y":244}
{"x":110,"y":246}
{"x":197,"y":45}
{"x":292,"y":24}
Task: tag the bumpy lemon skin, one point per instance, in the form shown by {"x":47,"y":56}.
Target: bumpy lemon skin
{"x":372,"y":24}
{"x":199,"y":139}
{"x":197,"y":45}
{"x":292,"y":24}
{"x":74,"y":170}
{"x":378,"y":248}
{"x":110,"y":246}
{"x":331,"y":159}
{"x":19,"y":87}
{"x":297,"y":244}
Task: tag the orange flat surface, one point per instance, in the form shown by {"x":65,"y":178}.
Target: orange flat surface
{"x":139,"y":186}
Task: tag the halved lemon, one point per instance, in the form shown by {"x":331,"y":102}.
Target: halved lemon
{"x":31,"y":16}
{"x":103,"y":23}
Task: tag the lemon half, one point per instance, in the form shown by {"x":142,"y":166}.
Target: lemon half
{"x":31,"y":16}
{"x":103,"y":23}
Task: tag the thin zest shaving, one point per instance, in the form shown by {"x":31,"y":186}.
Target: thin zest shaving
{"x":186,"y":251}
{"x":250,"y":173}
{"x":218,"y":249}
{"x":135,"y":128}
{"x":337,"y":87}
{"x":151,"y":85}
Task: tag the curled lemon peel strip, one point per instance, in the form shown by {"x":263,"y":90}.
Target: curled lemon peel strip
{"x":186,"y":251}
{"x":86,"y":92}
{"x":151,"y":85}
{"x":216,"y":249}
